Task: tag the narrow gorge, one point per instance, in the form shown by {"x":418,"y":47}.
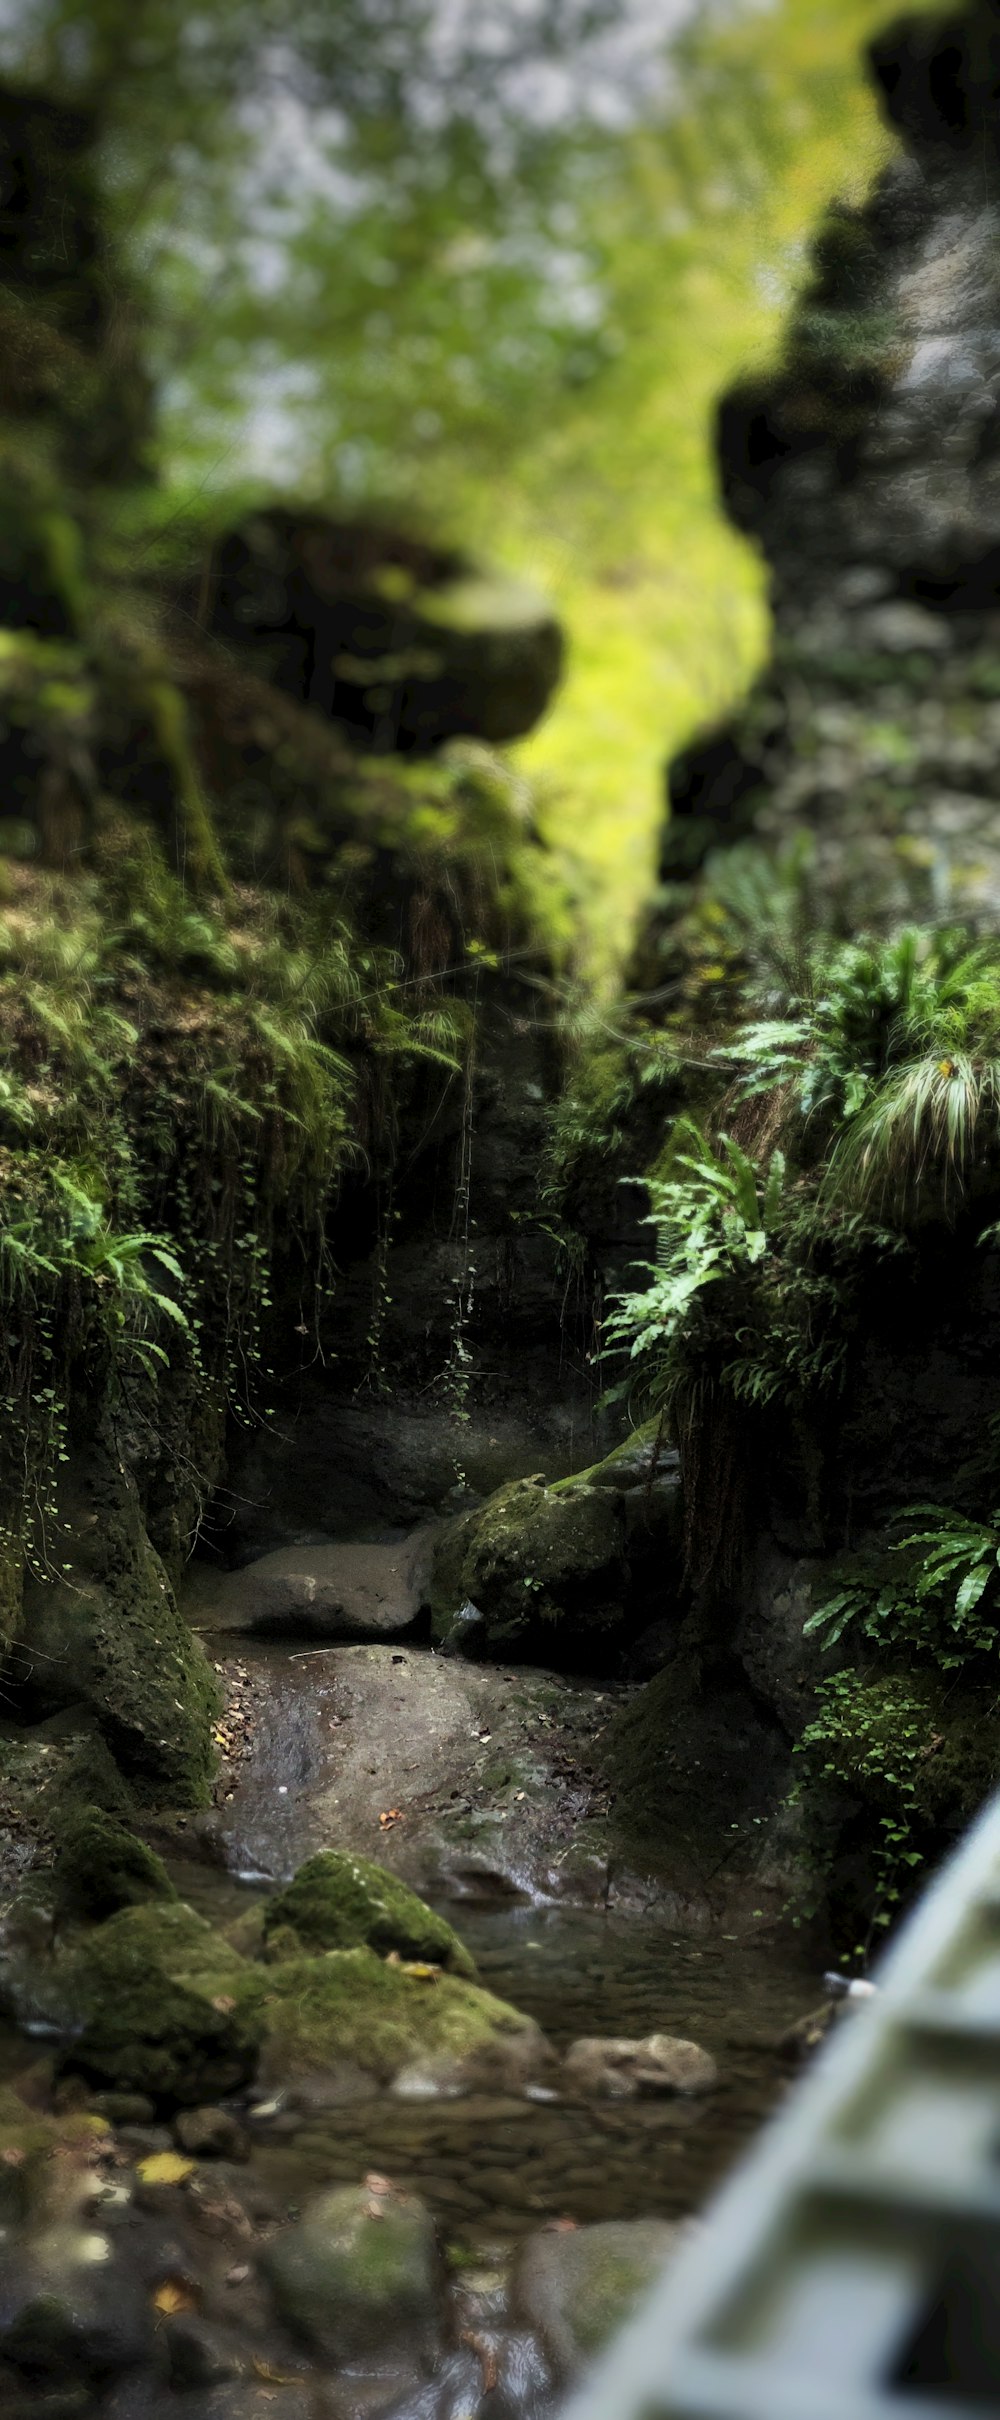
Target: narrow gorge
{"x":499,"y":1544}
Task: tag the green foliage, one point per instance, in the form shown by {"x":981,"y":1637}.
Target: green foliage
{"x":714,"y":1221}
{"x":508,"y":321}
{"x":923,"y":1614}
{"x":936,"y":1592}
{"x":873,"y":1737}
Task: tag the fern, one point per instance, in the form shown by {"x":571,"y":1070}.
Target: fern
{"x":936,"y":1590}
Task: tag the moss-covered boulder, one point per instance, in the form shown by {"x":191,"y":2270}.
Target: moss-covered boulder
{"x":535,"y":1571}
{"x":351,"y":2008}
{"x":337,"y":1901}
{"x":102,"y":1867}
{"x":360,"y":2274}
{"x":157,"y":2002}
{"x":39,"y":2158}
{"x":577,"y":2288}
{"x":158,"y":2007}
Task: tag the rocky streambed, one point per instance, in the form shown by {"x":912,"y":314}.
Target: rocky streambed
{"x":276,"y":2129}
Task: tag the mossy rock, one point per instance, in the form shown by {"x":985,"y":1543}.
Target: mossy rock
{"x":576,"y":2289}
{"x":101,"y":1867}
{"x":536,"y":1570}
{"x":91,"y":1779}
{"x":351,"y":2007}
{"x":337,"y":1901}
{"x":30,"y":2184}
{"x":359,"y":2275}
{"x":156,"y":1997}
{"x":161,"y":2004}
{"x":110,"y":1635}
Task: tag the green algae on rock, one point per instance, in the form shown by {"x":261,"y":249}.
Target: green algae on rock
{"x":111,"y":1627}
{"x":577,"y":2288}
{"x":158,"y":2002}
{"x":337,"y":1901}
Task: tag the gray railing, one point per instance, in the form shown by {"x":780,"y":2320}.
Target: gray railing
{"x":850,"y":2270}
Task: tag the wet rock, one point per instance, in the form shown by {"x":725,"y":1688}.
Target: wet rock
{"x":538,"y":1565}
{"x":620,"y":2068}
{"x":334,"y":1591}
{"x":211,"y":2134}
{"x":575,"y":2287}
{"x":808,"y":2033}
{"x":233,"y":2399}
{"x":68,"y":2312}
{"x":499,"y":2062}
{"x":34,"y":2183}
{"x":337,"y":1901}
{"x":200,"y":2354}
{"x":359,"y":2274}
{"x":155,"y":1998}
{"x":102,"y":1867}
{"x":482,"y":1764}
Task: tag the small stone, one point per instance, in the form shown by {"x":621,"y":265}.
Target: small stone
{"x":618,"y":2068}
{"x":211,"y":2134}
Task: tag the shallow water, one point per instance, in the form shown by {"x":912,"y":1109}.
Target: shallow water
{"x":497,"y":2167}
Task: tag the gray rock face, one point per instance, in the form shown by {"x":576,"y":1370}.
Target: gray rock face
{"x":868,"y":468}
{"x":336,"y":1591}
{"x":576,"y":2287}
{"x":359,"y":2274}
{"x":480,"y":1761}
{"x":618,"y":2069}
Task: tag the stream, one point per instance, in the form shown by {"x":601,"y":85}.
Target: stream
{"x":483,"y":2163}
{"x":499,"y":1818}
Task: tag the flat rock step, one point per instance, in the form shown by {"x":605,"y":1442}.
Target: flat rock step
{"x":340,"y":1590}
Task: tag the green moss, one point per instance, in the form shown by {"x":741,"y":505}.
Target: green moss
{"x":913,"y":1746}
{"x":101,"y":1867}
{"x":115,"y":1626}
{"x":158,"y":2007}
{"x":337,"y":1901}
{"x":638,"y":1753}
{"x":90,"y":1779}
{"x":530,"y":1560}
{"x":350,"y":2005}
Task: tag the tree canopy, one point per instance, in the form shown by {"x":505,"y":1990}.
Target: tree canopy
{"x":487,"y":269}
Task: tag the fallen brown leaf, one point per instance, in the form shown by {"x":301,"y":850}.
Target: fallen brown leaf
{"x":173,"y":2295}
